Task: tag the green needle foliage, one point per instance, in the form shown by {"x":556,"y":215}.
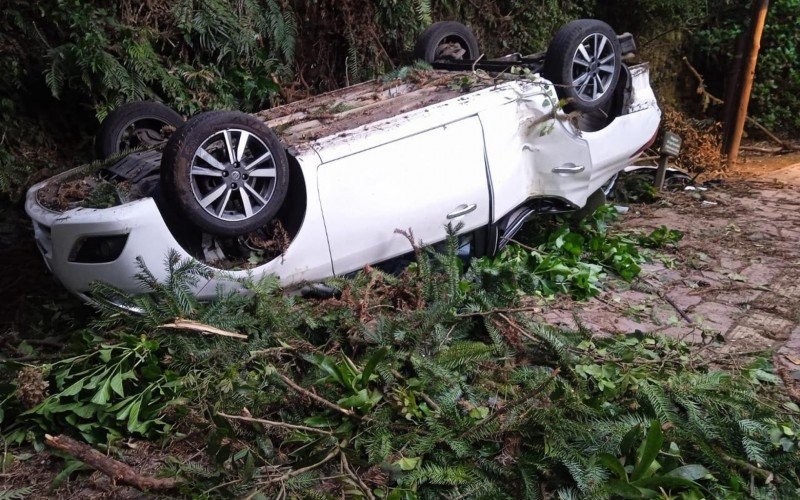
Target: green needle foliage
{"x":422,"y":385}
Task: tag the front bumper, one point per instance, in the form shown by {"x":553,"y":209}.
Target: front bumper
{"x":149,"y":240}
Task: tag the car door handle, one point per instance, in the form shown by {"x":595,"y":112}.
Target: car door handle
{"x":569,"y":169}
{"x":462,"y":209}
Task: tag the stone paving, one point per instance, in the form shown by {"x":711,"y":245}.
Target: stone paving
{"x":735,"y":275}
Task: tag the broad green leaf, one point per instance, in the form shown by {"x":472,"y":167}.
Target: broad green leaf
{"x":408,"y":463}
{"x":103,"y":394}
{"x":321,"y":421}
{"x":649,"y":451}
{"x":372,"y":363}
{"x":73,"y":389}
{"x":613,"y":464}
{"x":622,"y":489}
{"x":692,"y":472}
{"x":116,"y":384}
{"x":666,"y":482}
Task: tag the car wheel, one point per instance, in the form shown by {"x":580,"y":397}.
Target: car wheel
{"x":135,"y":124}
{"x":584,"y":62}
{"x":226,"y":171}
{"x":446,"y":40}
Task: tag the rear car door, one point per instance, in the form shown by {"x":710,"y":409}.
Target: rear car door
{"x":422,"y":182}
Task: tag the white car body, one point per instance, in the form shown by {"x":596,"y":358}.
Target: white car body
{"x":473,"y":159}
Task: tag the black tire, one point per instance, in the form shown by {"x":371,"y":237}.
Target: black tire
{"x":132,"y":125}
{"x":446,"y":32}
{"x":561,"y":68}
{"x":184,"y":191}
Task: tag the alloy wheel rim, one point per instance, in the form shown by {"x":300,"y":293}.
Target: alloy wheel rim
{"x":233,"y":175}
{"x":593,"y":67}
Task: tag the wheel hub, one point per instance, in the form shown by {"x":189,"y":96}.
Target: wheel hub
{"x":593,"y":67}
{"x":233,"y":175}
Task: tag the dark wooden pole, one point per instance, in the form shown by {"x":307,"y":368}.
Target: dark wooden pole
{"x":733,"y":81}
{"x":760,"y":8}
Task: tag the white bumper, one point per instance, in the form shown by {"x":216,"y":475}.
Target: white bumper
{"x":57,"y":235}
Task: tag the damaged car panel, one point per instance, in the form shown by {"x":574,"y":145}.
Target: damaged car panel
{"x":426,"y":149}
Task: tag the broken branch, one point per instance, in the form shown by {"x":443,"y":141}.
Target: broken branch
{"x":318,"y":399}
{"x":273,"y":423}
{"x":116,"y":470}
{"x":187,"y":324}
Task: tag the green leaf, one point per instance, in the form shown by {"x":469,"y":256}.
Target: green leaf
{"x":649,"y":451}
{"x":102,"y":396}
{"x":372,"y":363}
{"x":408,"y":463}
{"x":73,"y":389}
{"x":321,"y":421}
{"x":479,"y":413}
{"x":70,"y":467}
{"x":613,"y":464}
{"x":133,"y":416}
{"x":116,"y":384}
{"x":666,"y":482}
{"x":692,"y":472}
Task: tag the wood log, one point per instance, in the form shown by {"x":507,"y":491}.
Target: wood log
{"x":116,"y":470}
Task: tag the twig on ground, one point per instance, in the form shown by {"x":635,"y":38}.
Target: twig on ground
{"x":116,"y":470}
{"x":187,"y":324}
{"x":273,"y":423}
{"x":296,"y":472}
{"x":663,"y":296}
{"x":318,"y":399}
{"x":498,"y":311}
{"x":350,"y":472}
{"x":494,"y":416}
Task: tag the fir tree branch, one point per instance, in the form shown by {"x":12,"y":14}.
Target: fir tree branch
{"x":494,"y":416}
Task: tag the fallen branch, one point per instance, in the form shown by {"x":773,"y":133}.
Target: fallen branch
{"x":297,"y":472}
{"x":318,"y":399}
{"x":187,"y":324}
{"x":701,"y":89}
{"x":273,"y":423}
{"x":116,"y":470}
{"x":663,"y":296}
{"x":756,"y":149}
{"x":494,"y":416}
{"x":499,"y":311}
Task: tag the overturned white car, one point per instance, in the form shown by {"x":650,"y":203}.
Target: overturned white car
{"x":319,"y":187}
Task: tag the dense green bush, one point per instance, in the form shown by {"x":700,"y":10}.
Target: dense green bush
{"x":64,"y":64}
{"x":776,"y":90}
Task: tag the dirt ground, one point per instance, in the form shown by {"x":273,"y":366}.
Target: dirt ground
{"x":733,"y":281}
{"x":732,"y":285}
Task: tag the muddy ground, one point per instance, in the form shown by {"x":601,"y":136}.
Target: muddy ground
{"x":731,"y":285}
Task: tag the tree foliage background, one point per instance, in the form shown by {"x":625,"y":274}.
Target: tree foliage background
{"x":64,"y":64}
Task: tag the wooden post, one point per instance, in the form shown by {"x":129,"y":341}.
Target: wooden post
{"x":760,"y":8}
{"x":661,"y":172}
{"x":732,"y":83}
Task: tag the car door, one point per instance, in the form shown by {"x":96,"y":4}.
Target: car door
{"x":422,"y":182}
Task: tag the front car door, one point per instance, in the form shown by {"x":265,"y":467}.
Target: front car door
{"x":422,"y":182}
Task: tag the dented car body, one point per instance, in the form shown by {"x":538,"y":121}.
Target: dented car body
{"x":481,"y":161}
